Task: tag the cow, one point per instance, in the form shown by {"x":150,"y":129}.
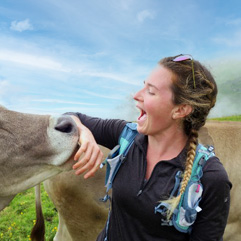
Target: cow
{"x":81,"y":213}
{"x":32,"y":149}
{"x":225,"y":136}
{"x":82,"y":216}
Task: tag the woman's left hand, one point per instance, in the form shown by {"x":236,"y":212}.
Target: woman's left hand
{"x":89,"y":156}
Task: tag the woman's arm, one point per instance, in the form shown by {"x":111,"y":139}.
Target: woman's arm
{"x":89,"y":155}
{"x":94,"y":131}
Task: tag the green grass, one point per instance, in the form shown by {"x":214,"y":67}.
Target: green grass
{"x":17,"y":220}
{"x":229,"y":118}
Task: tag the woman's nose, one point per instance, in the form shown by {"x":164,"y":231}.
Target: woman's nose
{"x":138,"y":96}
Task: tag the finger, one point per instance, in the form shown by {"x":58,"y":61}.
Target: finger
{"x":87,"y":165}
{"x":84,"y":160}
{"x":79,"y":164}
{"x":81,"y":150}
{"x":83,"y":167}
{"x":94,"y":157}
{"x":94,"y":168}
{"x":92,"y":172}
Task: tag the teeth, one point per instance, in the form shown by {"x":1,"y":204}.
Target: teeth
{"x":142,"y":117}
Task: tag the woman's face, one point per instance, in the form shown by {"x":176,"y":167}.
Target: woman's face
{"x":155,"y":103}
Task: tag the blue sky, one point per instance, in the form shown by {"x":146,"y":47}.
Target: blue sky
{"x":92,"y":56}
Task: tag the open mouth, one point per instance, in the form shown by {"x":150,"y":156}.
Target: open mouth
{"x":142,"y":115}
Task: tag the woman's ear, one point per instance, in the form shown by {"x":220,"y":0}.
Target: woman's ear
{"x":181,"y":111}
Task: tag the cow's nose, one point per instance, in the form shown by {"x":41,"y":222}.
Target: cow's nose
{"x":66,"y":124}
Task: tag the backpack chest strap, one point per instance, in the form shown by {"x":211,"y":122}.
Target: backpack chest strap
{"x":186,"y":212}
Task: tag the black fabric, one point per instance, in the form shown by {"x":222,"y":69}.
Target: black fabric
{"x":134,"y":199}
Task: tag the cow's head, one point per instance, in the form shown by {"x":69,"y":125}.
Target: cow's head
{"x":32,"y":149}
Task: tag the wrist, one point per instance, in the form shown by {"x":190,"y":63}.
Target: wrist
{"x":78,"y":123}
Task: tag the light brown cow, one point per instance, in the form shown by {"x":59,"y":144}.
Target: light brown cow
{"x":32,"y":149}
{"x":82,"y":216}
{"x":226,"y":137}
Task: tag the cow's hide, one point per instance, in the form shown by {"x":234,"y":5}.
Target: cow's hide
{"x":81,"y":214}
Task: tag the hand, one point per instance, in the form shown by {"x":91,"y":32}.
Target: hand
{"x":89,"y":156}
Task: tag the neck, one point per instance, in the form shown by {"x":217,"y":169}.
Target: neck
{"x":167,"y":145}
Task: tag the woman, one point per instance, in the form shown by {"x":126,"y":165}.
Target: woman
{"x":174,"y":103}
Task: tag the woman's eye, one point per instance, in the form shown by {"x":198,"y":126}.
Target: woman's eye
{"x":150,"y":92}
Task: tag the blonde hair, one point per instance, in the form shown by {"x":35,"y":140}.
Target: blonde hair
{"x":201,"y":96}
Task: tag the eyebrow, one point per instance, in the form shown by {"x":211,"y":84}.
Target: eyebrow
{"x":151,"y":85}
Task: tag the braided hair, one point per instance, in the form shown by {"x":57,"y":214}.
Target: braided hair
{"x":193,"y":85}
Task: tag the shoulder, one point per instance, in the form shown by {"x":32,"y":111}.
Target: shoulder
{"x":215,"y":202}
{"x":215,"y":181}
{"x":214,"y":171}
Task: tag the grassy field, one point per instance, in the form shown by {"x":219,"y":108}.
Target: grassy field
{"x":17,"y":220}
{"x":229,"y":118}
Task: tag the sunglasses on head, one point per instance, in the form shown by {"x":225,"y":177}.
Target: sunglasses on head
{"x":184,"y":57}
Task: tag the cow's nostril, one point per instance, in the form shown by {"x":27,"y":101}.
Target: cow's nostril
{"x":64,"y":125}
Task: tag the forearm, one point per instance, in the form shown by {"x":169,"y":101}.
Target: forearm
{"x":89,"y":155}
{"x":78,"y":123}
{"x":105,"y":131}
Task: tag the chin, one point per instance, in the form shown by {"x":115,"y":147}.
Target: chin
{"x":142,"y":129}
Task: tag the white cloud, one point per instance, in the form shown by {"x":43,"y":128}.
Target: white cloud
{"x":233,"y":40}
{"x":225,"y":106}
{"x":126,"y":109}
{"x":114,"y":76}
{"x":4,"y":86}
{"x":21,"y":26}
{"x":8,"y":92}
{"x":56,"y":101}
{"x":31,"y":60}
{"x":106,"y":96}
{"x":88,"y":110}
{"x":226,"y":71}
{"x":143,"y":15}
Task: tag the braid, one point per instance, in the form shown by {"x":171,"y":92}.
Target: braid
{"x":193,"y":140}
{"x":189,"y":162}
{"x":201,"y":98}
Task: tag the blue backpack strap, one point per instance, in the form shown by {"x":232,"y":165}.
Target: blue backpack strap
{"x":127,"y":137}
{"x":114,"y":160}
{"x":185,"y":214}
{"x":117,"y":156}
{"x":163,"y":207}
{"x":187,"y":210}
{"x":118,"y":153}
{"x":202,"y":155}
